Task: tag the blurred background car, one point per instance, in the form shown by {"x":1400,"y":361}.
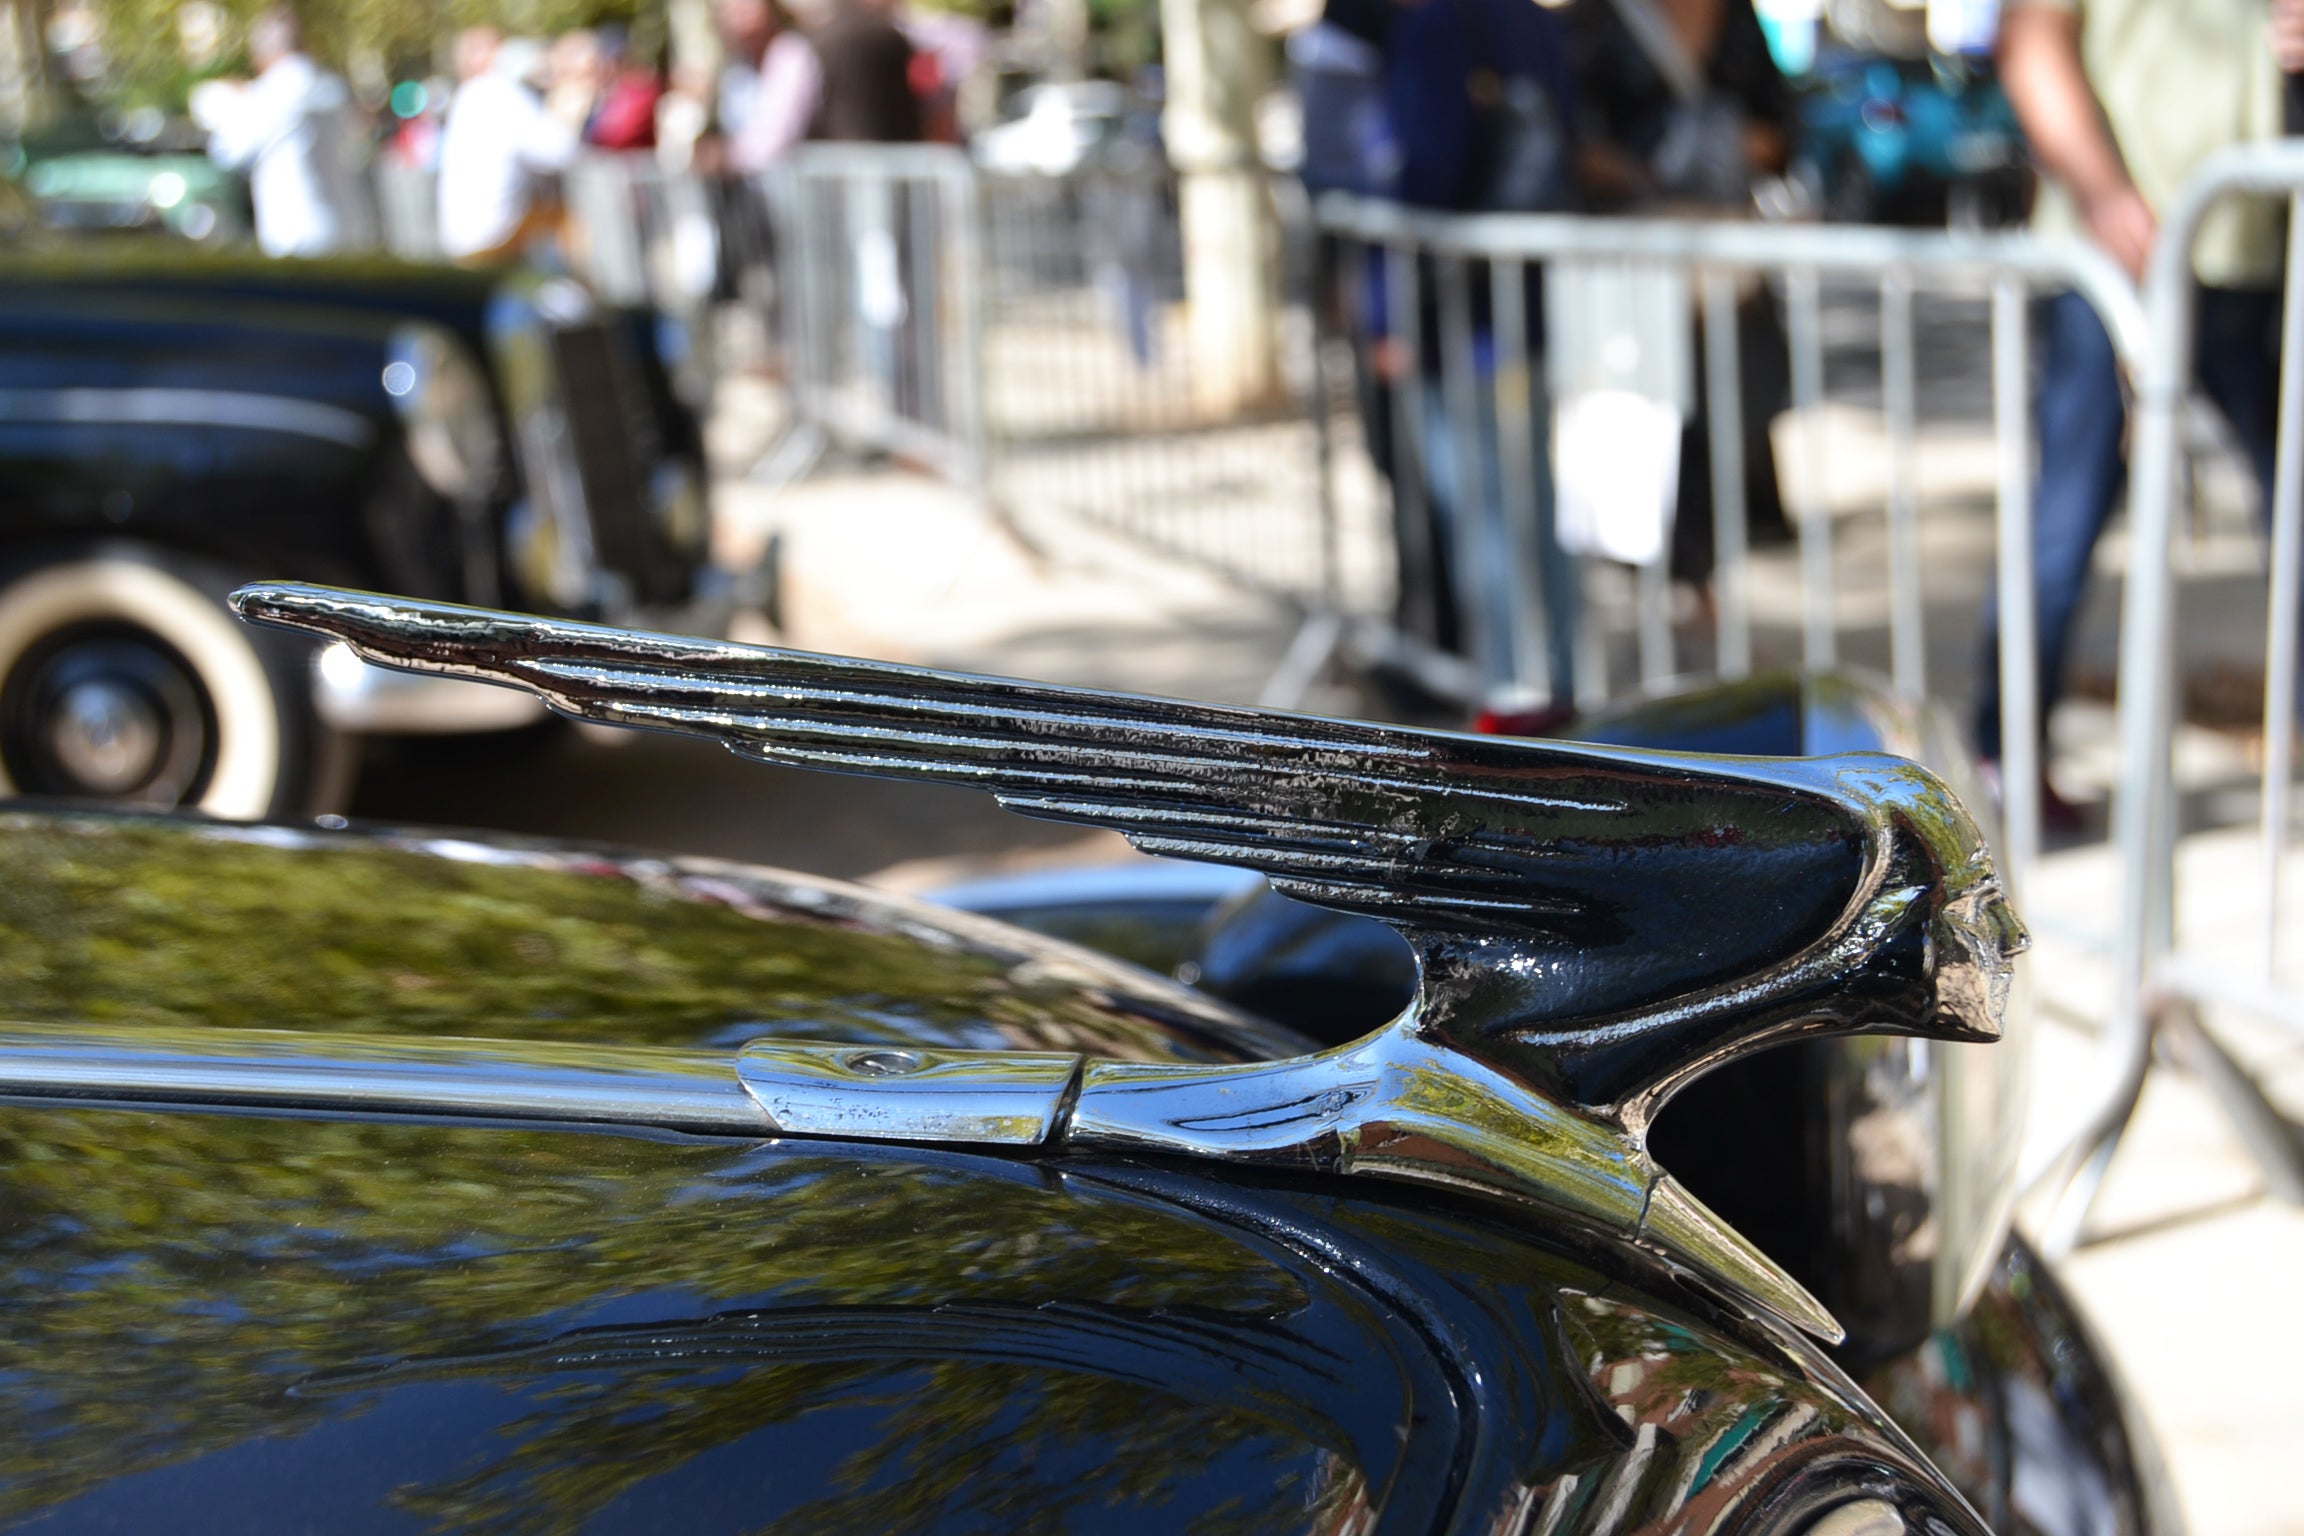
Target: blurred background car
{"x":121,"y":172}
{"x":170,"y":425}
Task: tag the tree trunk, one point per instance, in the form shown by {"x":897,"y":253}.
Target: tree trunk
{"x":1217,"y":67}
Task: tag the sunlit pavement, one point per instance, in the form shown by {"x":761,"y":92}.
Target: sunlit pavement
{"x":2193,"y":1272}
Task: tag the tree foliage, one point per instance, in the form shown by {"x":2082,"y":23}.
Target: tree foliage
{"x":400,"y":38}
{"x":131,"y":921}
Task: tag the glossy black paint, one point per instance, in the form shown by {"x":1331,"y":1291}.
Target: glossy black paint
{"x":229,"y":1323}
{"x":120,"y":918}
{"x":345,"y":1324}
{"x":2019,"y":1406}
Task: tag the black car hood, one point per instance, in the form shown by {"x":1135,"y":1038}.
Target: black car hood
{"x":374,"y":286}
{"x":330,"y":1321}
{"x":111,"y":918}
{"x":217,"y":1322}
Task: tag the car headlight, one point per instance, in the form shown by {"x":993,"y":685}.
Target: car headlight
{"x":446,"y":408}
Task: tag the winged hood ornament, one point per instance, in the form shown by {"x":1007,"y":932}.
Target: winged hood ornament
{"x":1594,"y":927}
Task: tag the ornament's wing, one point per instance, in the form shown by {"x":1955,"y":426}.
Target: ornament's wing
{"x":1597,"y":922}
{"x":1417,"y":827}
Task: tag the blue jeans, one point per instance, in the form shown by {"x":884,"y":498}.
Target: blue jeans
{"x":1480,"y":550}
{"x":2080,"y":422}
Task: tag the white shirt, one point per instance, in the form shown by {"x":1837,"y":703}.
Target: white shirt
{"x":497,"y":136}
{"x":286,"y":130}
{"x":781,"y":104}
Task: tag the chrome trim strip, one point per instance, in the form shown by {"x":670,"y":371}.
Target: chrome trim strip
{"x":281,"y":1069}
{"x":906,"y":1093}
{"x":1394,"y":1105}
{"x":246,"y":410}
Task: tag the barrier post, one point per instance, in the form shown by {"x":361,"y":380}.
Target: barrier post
{"x":1724,"y":410}
{"x":2017,"y":592}
{"x":2280,"y":662}
{"x":1819,"y":644}
{"x":1907,"y":616}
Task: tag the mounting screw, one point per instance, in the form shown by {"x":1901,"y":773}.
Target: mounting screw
{"x":884,"y":1063}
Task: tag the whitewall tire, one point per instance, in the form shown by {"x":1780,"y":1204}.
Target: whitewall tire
{"x":123,"y":678}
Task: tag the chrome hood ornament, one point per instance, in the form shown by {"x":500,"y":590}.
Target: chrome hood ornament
{"x":1594,"y":927}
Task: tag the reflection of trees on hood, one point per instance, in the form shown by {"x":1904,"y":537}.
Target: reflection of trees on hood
{"x":971,"y":1443}
{"x":127,"y":923}
{"x":173,"y":1284}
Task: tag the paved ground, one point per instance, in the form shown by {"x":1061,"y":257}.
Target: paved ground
{"x":2194,"y":1283}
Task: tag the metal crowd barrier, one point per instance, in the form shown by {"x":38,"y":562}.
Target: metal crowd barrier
{"x":879,"y":274}
{"x":1040,"y":311}
{"x":1096,"y":411}
{"x":636,"y":233}
{"x":642,"y":235}
{"x":1502,"y":589}
{"x":2162,"y":976}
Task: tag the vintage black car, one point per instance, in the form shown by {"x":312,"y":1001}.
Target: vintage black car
{"x":390,"y":1180}
{"x":173,"y":423}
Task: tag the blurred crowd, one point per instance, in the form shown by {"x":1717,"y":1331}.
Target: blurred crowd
{"x":1679,"y":108}
{"x":520,"y":109}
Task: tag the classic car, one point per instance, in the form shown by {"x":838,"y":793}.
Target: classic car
{"x":138,"y":171}
{"x":172,"y":423}
{"x":372,"y":1179}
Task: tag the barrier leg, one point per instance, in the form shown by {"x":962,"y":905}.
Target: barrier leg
{"x":2267,"y":1135}
{"x":2287,"y":592}
{"x":2017,"y":589}
{"x":1529,"y":548}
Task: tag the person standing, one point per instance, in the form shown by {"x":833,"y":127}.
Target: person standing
{"x":1682,"y":112}
{"x":624,"y":116}
{"x":2121,"y":100}
{"x":1481,"y":104}
{"x":286,"y":130}
{"x":870,"y":95}
{"x":498,"y":138}
{"x":774,"y":86}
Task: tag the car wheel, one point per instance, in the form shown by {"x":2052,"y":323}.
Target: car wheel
{"x":124,"y":678}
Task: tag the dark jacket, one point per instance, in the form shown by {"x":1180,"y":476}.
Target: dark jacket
{"x":1438,"y":56}
{"x":868,"y":95}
